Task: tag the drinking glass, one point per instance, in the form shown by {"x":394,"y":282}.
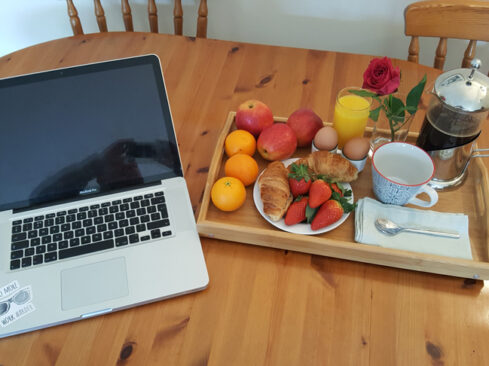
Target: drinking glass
{"x":350,"y":115}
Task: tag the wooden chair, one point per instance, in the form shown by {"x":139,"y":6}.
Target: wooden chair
{"x":152,"y":16}
{"x":445,"y":19}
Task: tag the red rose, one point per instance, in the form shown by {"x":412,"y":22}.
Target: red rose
{"x":381,"y":77}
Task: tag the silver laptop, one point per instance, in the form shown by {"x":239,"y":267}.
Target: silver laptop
{"x":95,"y":214}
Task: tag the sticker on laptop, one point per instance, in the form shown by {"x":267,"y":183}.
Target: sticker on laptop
{"x":15,"y":303}
{"x":9,"y":288}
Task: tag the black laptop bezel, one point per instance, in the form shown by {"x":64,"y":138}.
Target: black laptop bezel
{"x":152,"y":60}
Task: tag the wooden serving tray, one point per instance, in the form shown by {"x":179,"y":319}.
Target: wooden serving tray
{"x":246,"y":225}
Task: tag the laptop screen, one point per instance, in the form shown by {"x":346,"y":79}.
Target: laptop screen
{"x":84,"y":130}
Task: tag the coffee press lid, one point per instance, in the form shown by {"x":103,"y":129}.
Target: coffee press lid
{"x":464,"y":89}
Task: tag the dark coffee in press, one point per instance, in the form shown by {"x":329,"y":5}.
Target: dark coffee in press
{"x":446,"y":131}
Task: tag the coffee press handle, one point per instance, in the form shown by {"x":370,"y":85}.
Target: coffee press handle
{"x":476,"y":153}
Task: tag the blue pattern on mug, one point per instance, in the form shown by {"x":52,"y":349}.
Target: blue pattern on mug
{"x":392,"y":193}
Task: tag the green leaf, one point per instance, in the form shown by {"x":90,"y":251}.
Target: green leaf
{"x":344,"y":202}
{"x":411,"y":109}
{"x":397,"y":107}
{"x":298,"y":198}
{"x":335,"y":196}
{"x":414,"y":96}
{"x":363,"y":93}
{"x":310,"y":213}
{"x":299,"y":172}
{"x":374,"y":114}
{"x":347,"y":206}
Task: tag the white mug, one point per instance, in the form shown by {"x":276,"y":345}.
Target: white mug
{"x":401,"y":171}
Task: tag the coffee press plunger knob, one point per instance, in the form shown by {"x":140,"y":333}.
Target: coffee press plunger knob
{"x":475,"y":64}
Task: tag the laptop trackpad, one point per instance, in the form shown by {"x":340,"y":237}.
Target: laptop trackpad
{"x":93,"y":283}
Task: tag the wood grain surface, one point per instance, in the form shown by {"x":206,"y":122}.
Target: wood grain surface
{"x":263,"y":306}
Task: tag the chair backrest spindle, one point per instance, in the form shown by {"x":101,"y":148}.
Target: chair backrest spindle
{"x":74,"y":20}
{"x":441,"y":53}
{"x":152,"y":17}
{"x":414,"y":49}
{"x":100,"y":14}
{"x":469,"y":53}
{"x":127,"y":15}
{"x":178,"y":17}
{"x":202,"y":19}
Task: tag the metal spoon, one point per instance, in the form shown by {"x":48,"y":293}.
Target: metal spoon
{"x":388,"y":227}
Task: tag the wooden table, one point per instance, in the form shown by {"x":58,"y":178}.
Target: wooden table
{"x":263,"y":306}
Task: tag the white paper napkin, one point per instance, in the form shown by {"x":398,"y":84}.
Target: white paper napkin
{"x":368,"y":210}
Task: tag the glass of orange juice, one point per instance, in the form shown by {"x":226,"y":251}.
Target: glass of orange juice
{"x":350,"y":115}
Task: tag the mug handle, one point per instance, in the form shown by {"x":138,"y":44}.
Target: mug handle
{"x":430,"y":192}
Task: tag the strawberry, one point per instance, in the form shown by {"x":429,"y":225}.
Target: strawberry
{"x":319,"y":193}
{"x":299,"y":187}
{"x":296,"y":212}
{"x":299,"y":179}
{"x":330,"y":212}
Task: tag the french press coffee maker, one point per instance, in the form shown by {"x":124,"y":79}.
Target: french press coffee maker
{"x":458,"y":107}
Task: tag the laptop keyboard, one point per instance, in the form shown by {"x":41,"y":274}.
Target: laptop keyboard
{"x":88,"y":229}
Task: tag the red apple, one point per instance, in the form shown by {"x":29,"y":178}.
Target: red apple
{"x":253,"y":116}
{"x":305,"y":124}
{"x":277,"y":142}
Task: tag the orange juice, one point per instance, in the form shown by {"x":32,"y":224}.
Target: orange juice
{"x":350,"y":116}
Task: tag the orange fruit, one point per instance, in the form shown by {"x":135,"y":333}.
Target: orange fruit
{"x":243,"y":167}
{"x":228,"y":194}
{"x":240,"y":141}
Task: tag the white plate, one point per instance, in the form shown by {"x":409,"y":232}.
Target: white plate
{"x":302,"y":228}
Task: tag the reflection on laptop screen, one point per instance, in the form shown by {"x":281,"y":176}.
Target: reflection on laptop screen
{"x":84,"y":130}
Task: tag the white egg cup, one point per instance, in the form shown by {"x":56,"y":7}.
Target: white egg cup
{"x":359,"y":164}
{"x":314,"y":148}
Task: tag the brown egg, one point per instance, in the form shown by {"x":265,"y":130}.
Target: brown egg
{"x":326,"y":138}
{"x":356,"y":148}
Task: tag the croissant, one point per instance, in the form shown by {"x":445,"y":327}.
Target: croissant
{"x":333,"y":166}
{"x":275,"y":191}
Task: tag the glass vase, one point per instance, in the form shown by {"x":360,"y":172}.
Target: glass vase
{"x":384,"y":131}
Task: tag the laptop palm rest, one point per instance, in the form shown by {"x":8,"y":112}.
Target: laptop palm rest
{"x":93,"y":283}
